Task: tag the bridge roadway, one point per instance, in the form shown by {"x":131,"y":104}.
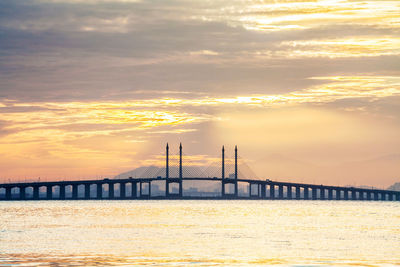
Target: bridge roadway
{"x":258,"y":189}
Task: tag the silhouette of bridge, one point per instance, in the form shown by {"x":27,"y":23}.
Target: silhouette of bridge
{"x":227,"y":188}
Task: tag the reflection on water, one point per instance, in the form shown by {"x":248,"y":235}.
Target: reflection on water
{"x":199,"y":233}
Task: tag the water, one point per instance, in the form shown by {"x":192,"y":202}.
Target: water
{"x":199,"y":233}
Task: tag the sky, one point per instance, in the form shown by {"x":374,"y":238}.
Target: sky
{"x":308,"y":90}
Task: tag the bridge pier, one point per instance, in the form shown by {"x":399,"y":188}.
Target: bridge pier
{"x":280,"y":191}
{"x":263,"y":191}
{"x":99,"y":190}
{"x":122,"y":193}
{"x":353,"y":194}
{"x":62,"y":191}
{"x":330,"y":194}
{"x":87,"y":191}
{"x":338,"y":193}
{"x":322,"y":193}
{"x":229,"y":181}
{"x":36,"y":192}
{"x":306,"y":192}
{"x":289,"y":192}
{"x":298,"y":192}
{"x":111,"y":194}
{"x":8,"y":193}
{"x":173,"y":181}
{"x":314,"y":193}
{"x":368,"y":195}
{"x":361,"y":195}
{"x":148,"y":195}
{"x":74,"y":191}
{"x":49,"y":192}
{"x":376,"y":196}
{"x":346,"y":194}
{"x":22,"y":193}
{"x":272,"y":191}
{"x":134,"y":190}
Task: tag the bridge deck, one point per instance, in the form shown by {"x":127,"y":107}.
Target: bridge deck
{"x":261,"y":190}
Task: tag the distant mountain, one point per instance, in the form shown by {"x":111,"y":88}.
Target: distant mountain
{"x":394,"y":187}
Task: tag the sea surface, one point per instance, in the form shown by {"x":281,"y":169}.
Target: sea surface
{"x":199,"y":233}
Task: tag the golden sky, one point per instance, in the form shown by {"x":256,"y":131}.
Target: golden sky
{"x":308,"y":90}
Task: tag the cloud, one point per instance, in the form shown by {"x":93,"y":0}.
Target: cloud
{"x":71,"y":120}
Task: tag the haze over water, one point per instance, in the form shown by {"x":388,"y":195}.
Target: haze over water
{"x":199,"y":233}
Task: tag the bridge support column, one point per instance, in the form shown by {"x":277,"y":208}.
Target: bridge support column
{"x":8,"y":193}
{"x":134,"y":190}
{"x":99,"y":191}
{"x":376,"y":196}
{"x":180,"y":188}
{"x":322,"y":193}
{"x":263,"y":191}
{"x":306,"y":193}
{"x":314,"y":193}
{"x":338,"y":194}
{"x":368,"y":195}
{"x":122,"y":193}
{"x":250,"y":190}
{"x":297,"y":192}
{"x":289,"y":192}
{"x":49,"y":192}
{"x":236,"y":189}
{"x":111,"y":191}
{"x":330,"y":194}
{"x":390,"y":197}
{"x":22,"y":192}
{"x":280,"y":193}
{"x":272,"y":191}
{"x":346,"y":194}
{"x":36,"y":192}
{"x":62,"y":191}
{"x":361,"y":195}
{"x":87,"y":191}
{"x":141,"y":195}
{"x":353,"y":195}
{"x":149,"y":189}
{"x":75,"y":191}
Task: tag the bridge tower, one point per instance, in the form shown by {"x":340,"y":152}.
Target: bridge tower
{"x":180,"y":170}
{"x":225,"y":181}
{"x":223,"y":172}
{"x":171,"y":180}
{"x":166,"y":171}
{"x":236,"y":173}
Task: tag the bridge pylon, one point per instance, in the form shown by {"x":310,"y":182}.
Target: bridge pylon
{"x":225,"y":181}
{"x":170,"y":180}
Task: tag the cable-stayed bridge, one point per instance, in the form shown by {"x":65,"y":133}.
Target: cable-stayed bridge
{"x":232,"y":179}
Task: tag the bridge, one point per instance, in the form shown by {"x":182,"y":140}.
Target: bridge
{"x":174,"y":188}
